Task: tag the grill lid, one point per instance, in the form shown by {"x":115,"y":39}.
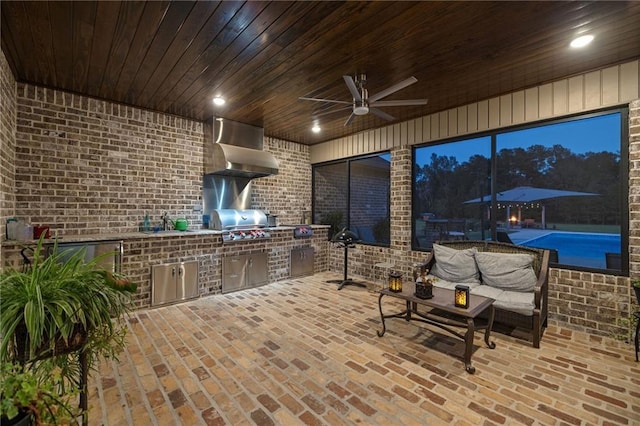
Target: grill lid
{"x":230,"y":219}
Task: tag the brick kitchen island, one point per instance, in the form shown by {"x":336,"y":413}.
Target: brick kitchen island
{"x":141,"y":251}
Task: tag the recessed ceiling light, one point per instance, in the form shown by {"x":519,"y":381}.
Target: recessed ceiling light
{"x":316,"y":128}
{"x":219,"y":100}
{"x":582,"y":41}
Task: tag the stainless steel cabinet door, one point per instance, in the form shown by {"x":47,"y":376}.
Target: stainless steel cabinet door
{"x":302,"y":259}
{"x":258,"y":267}
{"x":234,"y":272}
{"x":187,"y":280}
{"x":163,"y":283}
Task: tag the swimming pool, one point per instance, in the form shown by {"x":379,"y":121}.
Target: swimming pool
{"x":580,"y":249}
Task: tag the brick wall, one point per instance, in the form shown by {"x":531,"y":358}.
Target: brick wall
{"x":287,"y":194}
{"x":86,"y":166}
{"x":7,"y":143}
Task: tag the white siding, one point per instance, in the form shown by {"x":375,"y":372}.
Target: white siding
{"x":582,"y":93}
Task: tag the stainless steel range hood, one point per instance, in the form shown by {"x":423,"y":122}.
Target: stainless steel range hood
{"x":236,"y":149}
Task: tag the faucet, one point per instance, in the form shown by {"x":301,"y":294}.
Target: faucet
{"x":165,"y":220}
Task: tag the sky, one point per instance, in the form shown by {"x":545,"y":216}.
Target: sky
{"x":595,"y":134}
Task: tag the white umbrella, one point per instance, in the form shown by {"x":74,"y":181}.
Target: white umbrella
{"x":529,"y":194}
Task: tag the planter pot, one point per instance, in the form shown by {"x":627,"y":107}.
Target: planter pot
{"x":46,"y":350}
{"x":22,"y":419}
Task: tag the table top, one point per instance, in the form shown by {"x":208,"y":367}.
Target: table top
{"x":442,"y":299}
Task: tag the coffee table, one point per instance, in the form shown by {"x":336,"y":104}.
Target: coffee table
{"x":441,"y":312}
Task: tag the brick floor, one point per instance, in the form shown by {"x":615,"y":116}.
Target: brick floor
{"x":301,"y":352}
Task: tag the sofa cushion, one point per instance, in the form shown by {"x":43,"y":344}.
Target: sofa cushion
{"x":438,"y":282}
{"x":516,"y":301}
{"x":512,"y":301}
{"x":487,"y":291}
{"x":455,"y":265}
{"x":507,"y":271}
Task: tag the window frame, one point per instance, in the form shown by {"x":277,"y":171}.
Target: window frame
{"x":623,"y":110}
{"x":348,"y":162}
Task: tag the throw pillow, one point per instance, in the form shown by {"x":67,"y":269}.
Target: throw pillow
{"x":453,"y":265}
{"x":507,"y":271}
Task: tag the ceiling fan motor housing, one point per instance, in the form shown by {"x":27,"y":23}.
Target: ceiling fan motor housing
{"x":360,"y":108}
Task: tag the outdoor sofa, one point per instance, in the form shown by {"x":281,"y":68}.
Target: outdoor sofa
{"x":515,"y":276}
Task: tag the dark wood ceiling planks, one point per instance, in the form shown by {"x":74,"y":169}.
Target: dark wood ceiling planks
{"x":174,"y":56}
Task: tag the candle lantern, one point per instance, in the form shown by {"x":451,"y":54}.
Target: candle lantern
{"x":424,"y":289}
{"x":395,"y":282}
{"x":461,"y":295}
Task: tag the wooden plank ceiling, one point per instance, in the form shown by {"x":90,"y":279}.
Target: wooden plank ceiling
{"x":262,"y":56}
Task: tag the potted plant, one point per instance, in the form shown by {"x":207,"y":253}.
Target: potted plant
{"x":31,"y":397}
{"x":60,"y":306}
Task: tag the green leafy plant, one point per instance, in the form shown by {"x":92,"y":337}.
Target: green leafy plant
{"x":54,"y":299}
{"x":24,"y":391}
{"x":60,"y":305}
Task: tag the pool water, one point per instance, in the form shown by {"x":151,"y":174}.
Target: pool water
{"x":580,"y":249}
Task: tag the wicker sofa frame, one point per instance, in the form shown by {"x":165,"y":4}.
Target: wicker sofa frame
{"x":535,"y":323}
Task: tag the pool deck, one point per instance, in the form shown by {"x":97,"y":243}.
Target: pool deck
{"x":518,"y":235}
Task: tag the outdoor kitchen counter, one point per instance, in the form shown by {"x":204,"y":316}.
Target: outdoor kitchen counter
{"x":138,"y":235}
{"x":141,"y":251}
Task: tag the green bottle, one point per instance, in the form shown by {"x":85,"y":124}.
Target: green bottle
{"x":147,"y":223}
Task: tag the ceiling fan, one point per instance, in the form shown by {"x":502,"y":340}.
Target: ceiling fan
{"x":363,"y":103}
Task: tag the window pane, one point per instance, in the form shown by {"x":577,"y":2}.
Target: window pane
{"x":369,"y":199}
{"x":447,"y":178}
{"x":558,"y":187}
{"x":330,"y":187}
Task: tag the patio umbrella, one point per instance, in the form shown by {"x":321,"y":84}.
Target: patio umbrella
{"x":529,"y":194}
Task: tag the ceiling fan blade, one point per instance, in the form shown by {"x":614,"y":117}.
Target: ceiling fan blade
{"x":404,"y":102}
{"x":409,"y":81}
{"x":382,"y":114}
{"x":319,"y":114}
{"x":325,"y":100}
{"x":352,"y":87}
{"x":350,"y":119}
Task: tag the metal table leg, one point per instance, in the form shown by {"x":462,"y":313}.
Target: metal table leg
{"x":487,"y":332}
{"x":468,"y":346}
{"x":406,"y":314}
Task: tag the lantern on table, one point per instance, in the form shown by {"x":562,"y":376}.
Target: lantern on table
{"x":461,"y":296}
{"x":395,"y":282}
{"x":424,"y":289}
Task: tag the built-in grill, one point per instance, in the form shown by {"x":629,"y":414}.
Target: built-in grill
{"x":240,"y":225}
